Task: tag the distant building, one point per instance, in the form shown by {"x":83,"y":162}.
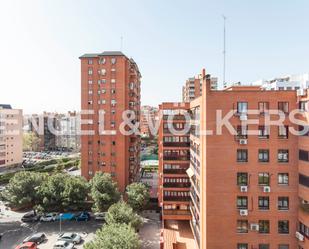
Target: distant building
{"x":149,"y":116}
{"x":11,"y":138}
{"x":68,"y":126}
{"x":193,"y":87}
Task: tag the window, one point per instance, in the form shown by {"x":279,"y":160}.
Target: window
{"x":263,"y":132}
{"x":113,"y":91}
{"x":283,"y":203}
{"x":283,"y":131}
{"x":113,"y":142}
{"x":113,"y":102}
{"x":242,"y":202}
{"x":263,"y":246}
{"x":242,"y":155}
{"x":90,"y":92}
{"x":102,"y":71}
{"x":303,"y":155}
{"x":283,"y":226}
{"x":113,"y":60}
{"x":304,"y":180}
{"x":242,"y":246}
{"x":90,"y":72}
{"x":283,"y":106}
{"x":264,"y":179}
{"x":242,"y":226}
{"x":242,"y":179}
{"x":283,"y":156}
{"x":263,"y":107}
{"x":263,"y":155}
{"x":263,"y":202}
{"x":242,"y":107}
{"x":283,"y":179}
{"x":90,"y":62}
{"x":90,"y":82}
{"x":264,"y":226}
{"x":102,"y":61}
{"x":113,"y":81}
{"x":302,"y":105}
{"x":241,"y":132}
{"x":283,"y":247}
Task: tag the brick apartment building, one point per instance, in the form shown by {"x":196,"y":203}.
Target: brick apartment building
{"x":110,"y":81}
{"x":149,"y":116}
{"x":11,"y":136}
{"x":193,"y":87}
{"x":174,"y":160}
{"x":247,"y":191}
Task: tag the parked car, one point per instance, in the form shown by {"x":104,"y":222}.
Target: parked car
{"x":84,"y":216}
{"x":27,"y":245}
{"x":37,"y":238}
{"x":30,"y":217}
{"x":100,"y":216}
{"x":63,"y":245}
{"x":65,"y":216}
{"x":49,"y":217}
{"x":70,"y":237}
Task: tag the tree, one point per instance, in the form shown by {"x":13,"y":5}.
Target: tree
{"x":22,"y":189}
{"x":75,"y":192}
{"x":31,"y":141}
{"x":138,"y":195}
{"x":122,"y":213}
{"x":104,"y":191}
{"x":62,"y":192}
{"x":114,"y":236}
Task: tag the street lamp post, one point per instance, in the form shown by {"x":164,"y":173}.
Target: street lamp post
{"x":60,"y":223}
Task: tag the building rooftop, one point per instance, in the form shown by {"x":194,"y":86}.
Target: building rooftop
{"x":106,"y":53}
{"x":5,"y":106}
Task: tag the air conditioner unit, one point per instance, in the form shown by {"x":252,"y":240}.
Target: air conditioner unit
{"x":254,"y":227}
{"x":243,"y":116}
{"x":266,"y":189}
{"x":243,"y":141}
{"x":299,"y":236}
{"x":300,"y":92}
{"x":243,"y":188}
{"x":243,"y":212}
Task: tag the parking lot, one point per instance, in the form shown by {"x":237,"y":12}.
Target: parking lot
{"x":16,"y":232}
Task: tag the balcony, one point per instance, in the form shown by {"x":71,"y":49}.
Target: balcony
{"x":176,"y":185}
{"x":176,"y":144}
{"x":176,"y":198}
{"x":175,"y":171}
{"x":176,"y":212}
{"x":176,"y":158}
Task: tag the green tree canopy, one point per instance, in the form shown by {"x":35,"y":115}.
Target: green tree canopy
{"x":62,"y":192}
{"x":138,"y":195}
{"x":104,"y":191}
{"x":22,"y":189}
{"x":31,"y":141}
{"x":122,"y":213}
{"x":114,"y":236}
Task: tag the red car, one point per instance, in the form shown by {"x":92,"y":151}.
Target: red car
{"x":27,"y":245}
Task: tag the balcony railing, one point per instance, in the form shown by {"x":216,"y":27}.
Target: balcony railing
{"x":176,"y":212}
{"x":176,"y":198}
{"x":176,"y":144}
{"x":175,"y":171}
{"x":175,"y":117}
{"x":176,"y":185}
{"x":176,"y":158}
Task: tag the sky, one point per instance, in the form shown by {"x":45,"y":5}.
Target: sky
{"x":171,"y":41}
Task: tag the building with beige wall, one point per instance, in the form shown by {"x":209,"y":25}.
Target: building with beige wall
{"x":11,"y":138}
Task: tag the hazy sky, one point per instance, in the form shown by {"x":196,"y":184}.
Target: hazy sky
{"x":170,"y":40}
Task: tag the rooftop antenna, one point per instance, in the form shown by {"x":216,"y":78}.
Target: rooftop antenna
{"x":121,"y":43}
{"x":224,"y":51}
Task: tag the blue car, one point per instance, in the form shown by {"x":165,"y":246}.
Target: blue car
{"x":84,"y":216}
{"x":65,"y":216}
